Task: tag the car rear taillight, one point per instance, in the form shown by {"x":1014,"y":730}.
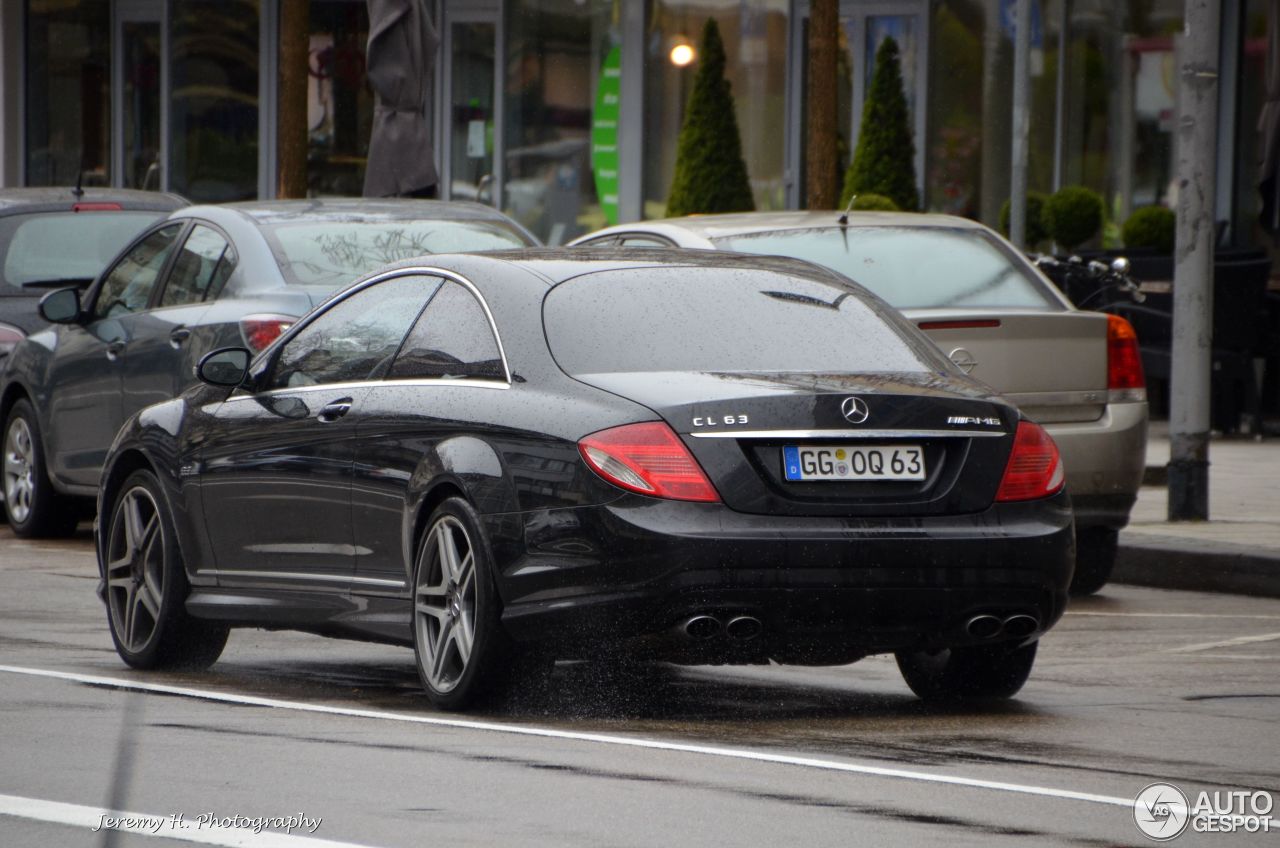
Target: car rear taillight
{"x":648,"y":458}
{"x":1125,"y":380}
{"x":96,"y":207}
{"x":261,"y":330}
{"x":9,"y":338}
{"x":1034,"y":469}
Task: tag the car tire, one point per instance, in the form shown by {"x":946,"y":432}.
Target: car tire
{"x":146,"y":585}
{"x":972,"y":672}
{"x":463,"y":653}
{"x":33,"y":508}
{"x":1095,"y":558}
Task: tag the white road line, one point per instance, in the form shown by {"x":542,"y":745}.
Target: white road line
{"x":596,"y":738}
{"x":1171,"y":615}
{"x":158,"y":826}
{"x":1225,"y":643}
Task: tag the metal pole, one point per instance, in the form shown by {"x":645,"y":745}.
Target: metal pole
{"x":1193,"y":263}
{"x":1060,"y":96}
{"x":1021,"y":125}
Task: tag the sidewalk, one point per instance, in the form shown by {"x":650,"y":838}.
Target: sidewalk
{"x":1236,"y":550}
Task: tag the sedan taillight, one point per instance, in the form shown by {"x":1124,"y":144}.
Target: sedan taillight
{"x":1125,"y":380}
{"x":648,"y":458}
{"x":259,"y":331}
{"x":1034,"y":469}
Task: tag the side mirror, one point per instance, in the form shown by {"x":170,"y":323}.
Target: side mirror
{"x":61,"y":306}
{"x":226,"y":366}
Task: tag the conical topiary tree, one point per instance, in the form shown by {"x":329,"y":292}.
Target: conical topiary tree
{"x":884,"y":160}
{"x":710,"y":173}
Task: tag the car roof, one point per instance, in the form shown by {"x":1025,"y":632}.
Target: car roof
{"x":361,"y":208}
{"x":56,"y":198}
{"x":744,"y":223}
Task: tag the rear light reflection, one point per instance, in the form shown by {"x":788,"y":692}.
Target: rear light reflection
{"x":648,"y":458}
{"x":9,"y":338}
{"x":1125,"y":380}
{"x":259,"y":331}
{"x":1035,"y":469}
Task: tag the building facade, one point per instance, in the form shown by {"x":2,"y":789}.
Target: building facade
{"x":565,"y":113}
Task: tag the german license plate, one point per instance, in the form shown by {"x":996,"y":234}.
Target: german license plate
{"x":848,"y":462}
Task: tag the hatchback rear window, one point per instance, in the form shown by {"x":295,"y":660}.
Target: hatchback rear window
{"x":49,"y":247}
{"x":911,"y":267}
{"x":333,"y":253}
{"x":719,"y":320}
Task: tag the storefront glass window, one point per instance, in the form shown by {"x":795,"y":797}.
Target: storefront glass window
{"x":1261,"y":38}
{"x":339,"y":99}
{"x":68,"y":92}
{"x":556,"y":53}
{"x":214,"y":99}
{"x":755,"y":41}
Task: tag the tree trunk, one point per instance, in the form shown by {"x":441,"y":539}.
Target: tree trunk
{"x":822,"y":178}
{"x":291,"y":135}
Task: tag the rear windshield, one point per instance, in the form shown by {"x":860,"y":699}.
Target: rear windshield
{"x":48,"y":247}
{"x":717,"y":320}
{"x":911,"y":267}
{"x":333,"y":253}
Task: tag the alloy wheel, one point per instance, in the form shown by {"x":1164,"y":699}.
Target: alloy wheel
{"x":135,"y":568}
{"x":19,"y":469}
{"x":445,"y":603}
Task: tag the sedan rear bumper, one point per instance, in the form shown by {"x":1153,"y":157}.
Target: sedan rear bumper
{"x":1105,"y":460}
{"x":820,"y":588}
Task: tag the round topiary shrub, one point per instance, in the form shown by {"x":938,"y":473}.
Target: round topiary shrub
{"x":1036,"y":233}
{"x":871,"y":202}
{"x":1073,"y":215}
{"x":1151,"y":226}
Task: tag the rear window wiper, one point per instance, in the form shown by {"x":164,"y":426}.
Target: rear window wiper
{"x":61,"y":282}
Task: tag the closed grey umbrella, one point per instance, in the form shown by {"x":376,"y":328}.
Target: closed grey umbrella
{"x":1269,"y":128}
{"x":402,"y":48}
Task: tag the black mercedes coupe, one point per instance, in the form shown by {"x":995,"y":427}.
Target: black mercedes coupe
{"x":512,"y":458}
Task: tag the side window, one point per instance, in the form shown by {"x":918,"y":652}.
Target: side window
{"x":603,"y":241}
{"x":452,"y":338}
{"x":356,"y":337}
{"x":203,"y":264}
{"x":129,"y":284}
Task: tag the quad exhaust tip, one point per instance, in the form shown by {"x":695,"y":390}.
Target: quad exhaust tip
{"x":984,"y":627}
{"x":744,"y":627}
{"x":1021,"y":625}
{"x":740,"y":628}
{"x":702,"y":627}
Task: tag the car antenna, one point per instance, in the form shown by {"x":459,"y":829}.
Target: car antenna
{"x":843,"y":220}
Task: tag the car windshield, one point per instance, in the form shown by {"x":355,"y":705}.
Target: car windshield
{"x":910,"y":267}
{"x":333,"y":253}
{"x":45,"y":247}
{"x":718,"y":320}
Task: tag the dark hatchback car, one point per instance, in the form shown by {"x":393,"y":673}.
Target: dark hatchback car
{"x":506,"y":458}
{"x":54,"y":237}
{"x":205,"y":277}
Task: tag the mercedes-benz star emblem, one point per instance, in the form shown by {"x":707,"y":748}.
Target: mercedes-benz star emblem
{"x":963,"y":359}
{"x":855,"y":410}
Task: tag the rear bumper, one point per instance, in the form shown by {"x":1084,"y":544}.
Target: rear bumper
{"x":820,"y":586}
{"x":1105,"y":460}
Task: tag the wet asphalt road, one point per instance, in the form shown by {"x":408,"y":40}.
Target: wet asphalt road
{"x":1134,"y":686}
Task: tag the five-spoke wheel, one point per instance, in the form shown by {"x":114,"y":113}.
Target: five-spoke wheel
{"x":146,"y":586}
{"x":33,"y":507}
{"x":445,"y":603}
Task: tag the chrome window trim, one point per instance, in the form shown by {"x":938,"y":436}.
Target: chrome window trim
{"x":423,"y":382}
{"x":847,"y":434}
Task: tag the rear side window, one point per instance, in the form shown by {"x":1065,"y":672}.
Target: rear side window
{"x":912,"y":267}
{"x":128,"y":286}
{"x":355,"y":338}
{"x":721,"y":320}
{"x":201,"y":268}
{"x":451,"y":339}
{"x":48,"y":247}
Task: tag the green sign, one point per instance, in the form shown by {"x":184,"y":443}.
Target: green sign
{"x":604,"y":134}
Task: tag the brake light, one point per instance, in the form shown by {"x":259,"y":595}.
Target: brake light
{"x":1035,"y":469}
{"x":976,"y":324}
{"x":96,"y":207}
{"x":259,"y":331}
{"x":1125,"y":379}
{"x":648,"y":458}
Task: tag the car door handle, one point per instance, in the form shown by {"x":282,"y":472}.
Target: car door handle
{"x":334,"y":410}
{"x":178,"y":336}
{"x":114,"y":350}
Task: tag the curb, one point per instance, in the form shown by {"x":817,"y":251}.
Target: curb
{"x":1172,"y":562}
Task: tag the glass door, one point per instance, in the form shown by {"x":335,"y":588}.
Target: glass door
{"x":137,"y":94}
{"x":471,"y":132}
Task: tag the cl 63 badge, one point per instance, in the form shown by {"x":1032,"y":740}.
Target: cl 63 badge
{"x":714,"y":421}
